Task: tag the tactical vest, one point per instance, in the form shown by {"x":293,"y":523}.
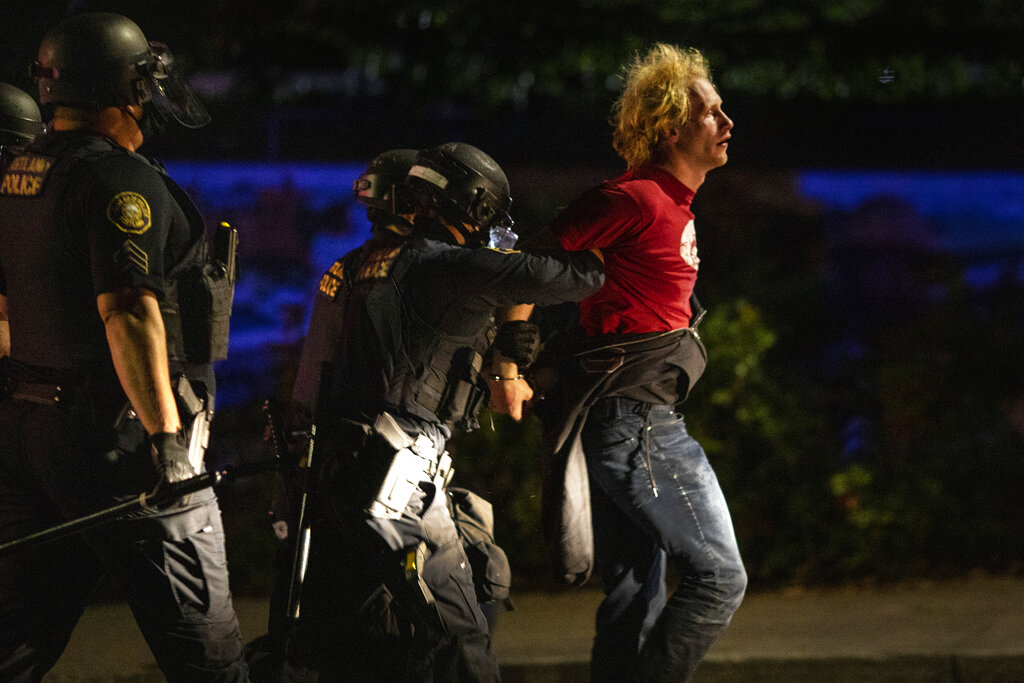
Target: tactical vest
{"x":196,"y":332}
{"x":198,"y":295}
{"x":417,"y":369}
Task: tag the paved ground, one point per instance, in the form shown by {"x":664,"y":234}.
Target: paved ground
{"x":956,"y":632}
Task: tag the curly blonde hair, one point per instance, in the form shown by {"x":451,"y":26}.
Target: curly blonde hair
{"x":656,"y":97}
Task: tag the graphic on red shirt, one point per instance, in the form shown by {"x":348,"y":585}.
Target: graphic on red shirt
{"x":688,"y":245}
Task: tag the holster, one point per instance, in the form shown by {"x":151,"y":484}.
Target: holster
{"x":196,"y":411}
{"x":412,"y":462}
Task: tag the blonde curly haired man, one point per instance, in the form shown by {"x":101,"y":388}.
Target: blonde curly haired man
{"x":647,"y":498}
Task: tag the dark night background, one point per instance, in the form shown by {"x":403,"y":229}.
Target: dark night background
{"x":862,"y":253}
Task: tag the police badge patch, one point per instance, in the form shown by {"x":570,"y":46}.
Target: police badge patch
{"x":129,"y":211}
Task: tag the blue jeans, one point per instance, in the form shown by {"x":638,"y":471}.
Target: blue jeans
{"x":656,"y":501}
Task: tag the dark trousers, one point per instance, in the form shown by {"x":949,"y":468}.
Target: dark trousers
{"x":364,"y":616}
{"x":656,"y":500}
{"x":56,"y":465}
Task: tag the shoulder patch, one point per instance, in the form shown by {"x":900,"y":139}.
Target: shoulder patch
{"x":130,"y":212}
{"x":26,"y":175}
{"x":332,"y":279}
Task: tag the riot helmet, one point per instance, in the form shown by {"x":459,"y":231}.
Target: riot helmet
{"x":20,"y":121}
{"x":100,"y":59}
{"x":464,"y":187}
{"x":382,"y":187}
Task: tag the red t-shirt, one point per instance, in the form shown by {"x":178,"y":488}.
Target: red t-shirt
{"x":642,"y":223}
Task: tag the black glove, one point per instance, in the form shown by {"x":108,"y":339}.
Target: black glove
{"x":170,"y":453}
{"x":519,"y":341}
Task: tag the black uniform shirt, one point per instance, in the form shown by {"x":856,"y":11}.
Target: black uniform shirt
{"x":451,"y":291}
{"x":457,"y":289}
{"x":80,"y":216}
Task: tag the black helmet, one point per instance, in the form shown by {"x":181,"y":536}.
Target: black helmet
{"x":101,"y":59}
{"x":382,"y":185}
{"x":463,"y":185}
{"x":20,"y":121}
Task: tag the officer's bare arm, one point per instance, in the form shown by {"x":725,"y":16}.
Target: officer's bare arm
{"x":135,"y":334}
{"x":5,"y":329}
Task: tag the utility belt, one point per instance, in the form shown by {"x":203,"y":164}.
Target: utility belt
{"x":412,"y":461}
{"x":45,"y":393}
{"x":94,"y":389}
{"x":195,"y":408}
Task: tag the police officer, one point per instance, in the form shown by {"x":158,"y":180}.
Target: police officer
{"x":391,"y":366}
{"x":382,"y":189}
{"x":20,"y":123}
{"x":103,"y":262}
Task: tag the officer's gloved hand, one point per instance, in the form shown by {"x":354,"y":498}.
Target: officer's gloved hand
{"x":519,"y":341}
{"x":170,"y":453}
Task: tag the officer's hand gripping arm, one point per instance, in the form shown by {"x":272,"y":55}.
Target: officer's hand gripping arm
{"x":508,"y":390}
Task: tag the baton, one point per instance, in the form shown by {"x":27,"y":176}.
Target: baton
{"x":304,"y":533}
{"x":166,"y":494}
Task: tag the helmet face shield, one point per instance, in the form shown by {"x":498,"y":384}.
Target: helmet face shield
{"x":171,"y":94}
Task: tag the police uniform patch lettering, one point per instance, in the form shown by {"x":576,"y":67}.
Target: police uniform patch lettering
{"x":26,"y":175}
{"x":129,"y":211}
{"x":332,"y":279}
{"x":377,"y":264}
{"x":132,"y":257}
